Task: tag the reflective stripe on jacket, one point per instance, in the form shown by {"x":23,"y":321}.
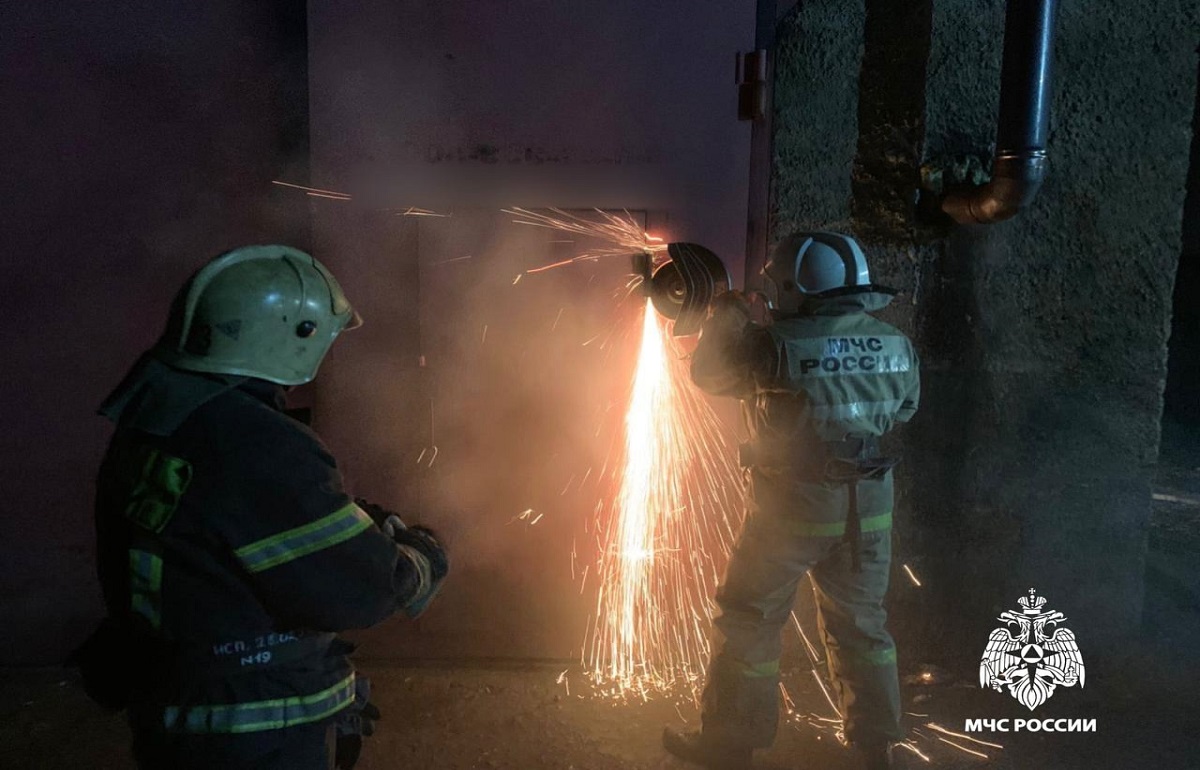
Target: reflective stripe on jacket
{"x":232,"y":547}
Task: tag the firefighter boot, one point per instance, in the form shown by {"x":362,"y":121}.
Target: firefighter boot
{"x":693,"y":747}
{"x":881,"y":758}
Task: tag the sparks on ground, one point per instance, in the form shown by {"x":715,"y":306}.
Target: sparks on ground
{"x":940,"y":729}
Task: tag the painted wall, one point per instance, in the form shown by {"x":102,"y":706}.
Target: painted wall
{"x":464,"y":108}
{"x":536,"y":103}
{"x":140,"y":140}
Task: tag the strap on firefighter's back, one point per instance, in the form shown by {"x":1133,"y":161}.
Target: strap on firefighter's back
{"x":849,"y":461}
{"x":856,"y":458}
{"x":852,"y":458}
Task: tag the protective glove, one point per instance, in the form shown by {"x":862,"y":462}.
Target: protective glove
{"x":733,"y":298}
{"x":424,"y":540}
{"x":728,"y":314}
{"x":432,"y":562}
{"x":378,"y":513}
{"x":354,"y":723}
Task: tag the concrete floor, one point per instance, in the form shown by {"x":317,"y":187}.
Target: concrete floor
{"x":525,"y":717}
{"x":1172,"y":563}
{"x":522,"y":718}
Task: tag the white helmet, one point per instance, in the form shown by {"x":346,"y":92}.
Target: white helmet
{"x":811,"y":263}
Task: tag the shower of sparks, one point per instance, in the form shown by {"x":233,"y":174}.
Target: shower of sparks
{"x":316,"y":192}
{"x":453,"y":259}
{"x":528,"y":517}
{"x":667,"y":534}
{"x":416,"y":211}
{"x":825,"y":692}
{"x":621,"y":235}
{"x":813,"y":656}
{"x":431,"y":451}
{"x":910,"y":746}
{"x":962,"y":748}
{"x":788,"y":704}
{"x":964,"y":736}
{"x":911,"y":576}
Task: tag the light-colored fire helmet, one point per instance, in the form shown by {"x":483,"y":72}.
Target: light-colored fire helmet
{"x":270,"y":312}
{"x":810,"y":263}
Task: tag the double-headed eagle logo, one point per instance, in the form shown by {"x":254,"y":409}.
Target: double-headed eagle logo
{"x":1030,"y":662}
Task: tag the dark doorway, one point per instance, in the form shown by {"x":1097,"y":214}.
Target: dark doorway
{"x":1182,"y":398}
{"x":1172,"y":574}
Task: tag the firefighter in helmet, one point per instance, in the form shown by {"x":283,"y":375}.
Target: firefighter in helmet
{"x":820,"y":386}
{"x":229,"y":553}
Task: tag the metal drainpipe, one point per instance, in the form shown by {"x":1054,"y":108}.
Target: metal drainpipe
{"x":1019,"y":165}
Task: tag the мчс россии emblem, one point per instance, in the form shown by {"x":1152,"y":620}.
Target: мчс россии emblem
{"x":1025,"y":658}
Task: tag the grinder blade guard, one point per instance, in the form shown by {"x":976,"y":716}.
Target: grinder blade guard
{"x":683,"y":286}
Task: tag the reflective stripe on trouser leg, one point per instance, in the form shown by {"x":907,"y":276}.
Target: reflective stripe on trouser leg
{"x":741,"y":696}
{"x":862,"y":655}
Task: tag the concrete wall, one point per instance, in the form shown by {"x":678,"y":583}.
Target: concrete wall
{"x":1044,"y":338}
{"x":140,"y":140}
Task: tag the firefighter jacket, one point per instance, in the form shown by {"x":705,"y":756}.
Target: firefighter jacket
{"x":817,"y":387}
{"x":229,"y":549}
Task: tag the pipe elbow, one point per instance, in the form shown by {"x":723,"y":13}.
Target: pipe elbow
{"x":1016,"y":179}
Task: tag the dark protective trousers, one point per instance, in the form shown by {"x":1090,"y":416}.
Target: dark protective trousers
{"x":305,"y":747}
{"x":741,"y":697}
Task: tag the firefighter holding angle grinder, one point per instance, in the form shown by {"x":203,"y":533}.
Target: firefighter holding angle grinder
{"x":820,"y":385}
